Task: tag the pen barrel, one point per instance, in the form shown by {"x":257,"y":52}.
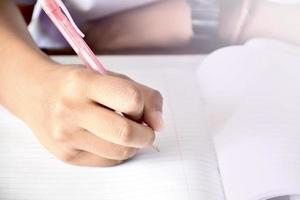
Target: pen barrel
{"x":49,"y":6}
{"x":53,"y":11}
{"x":90,"y":60}
{"x":60,"y":21}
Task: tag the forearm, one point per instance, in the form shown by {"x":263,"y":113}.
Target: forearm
{"x":162,"y":24}
{"x":21,"y":60}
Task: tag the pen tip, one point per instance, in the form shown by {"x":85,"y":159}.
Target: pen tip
{"x":155,"y":147}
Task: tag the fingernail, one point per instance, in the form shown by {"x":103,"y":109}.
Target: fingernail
{"x":159,"y":120}
{"x":135,"y":152}
{"x":129,"y":153}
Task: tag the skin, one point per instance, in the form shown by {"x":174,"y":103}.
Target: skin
{"x":69,"y":108}
{"x":165,"y":23}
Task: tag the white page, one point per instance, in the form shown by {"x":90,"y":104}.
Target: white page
{"x":253,"y":94}
{"x":186,"y":167}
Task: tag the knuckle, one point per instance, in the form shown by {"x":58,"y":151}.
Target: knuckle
{"x":61,"y":109}
{"x":125,"y":132}
{"x":157,"y":95}
{"x":76,"y":75}
{"x":75,"y":81}
{"x":124,"y":76}
{"x":135,"y":99}
{"x":61,"y":136}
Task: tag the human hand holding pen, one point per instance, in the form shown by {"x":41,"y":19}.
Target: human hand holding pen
{"x":75,"y":118}
{"x":71,"y":109}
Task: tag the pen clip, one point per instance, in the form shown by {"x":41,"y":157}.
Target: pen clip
{"x":68,"y":15}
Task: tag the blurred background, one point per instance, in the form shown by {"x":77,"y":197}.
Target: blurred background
{"x":169,"y":26}
{"x":204,"y":14}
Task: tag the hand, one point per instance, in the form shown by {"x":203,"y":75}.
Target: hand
{"x":73,"y":115}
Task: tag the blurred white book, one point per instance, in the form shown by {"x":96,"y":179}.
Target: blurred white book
{"x":252,"y":102}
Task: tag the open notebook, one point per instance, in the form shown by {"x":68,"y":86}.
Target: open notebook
{"x":190,"y":166}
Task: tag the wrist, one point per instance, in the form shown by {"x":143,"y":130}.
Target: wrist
{"x":21,"y":79}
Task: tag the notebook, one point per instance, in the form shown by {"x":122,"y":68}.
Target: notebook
{"x":199,"y":158}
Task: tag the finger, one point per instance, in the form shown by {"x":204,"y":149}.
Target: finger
{"x":114,"y":128}
{"x":117,"y":94}
{"x":111,"y":73}
{"x":86,"y":141}
{"x":153,"y":102}
{"x":74,"y":156}
{"x":153,"y":107}
{"x":88,"y":159}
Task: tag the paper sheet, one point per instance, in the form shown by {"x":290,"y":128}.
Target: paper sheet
{"x":253,"y":103}
{"x":186,"y":167}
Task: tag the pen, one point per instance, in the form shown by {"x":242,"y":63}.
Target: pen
{"x":66,"y":25}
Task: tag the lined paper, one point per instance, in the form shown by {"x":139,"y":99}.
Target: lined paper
{"x":186,"y":167}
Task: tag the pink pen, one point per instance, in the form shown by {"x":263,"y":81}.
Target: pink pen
{"x":65,"y":24}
